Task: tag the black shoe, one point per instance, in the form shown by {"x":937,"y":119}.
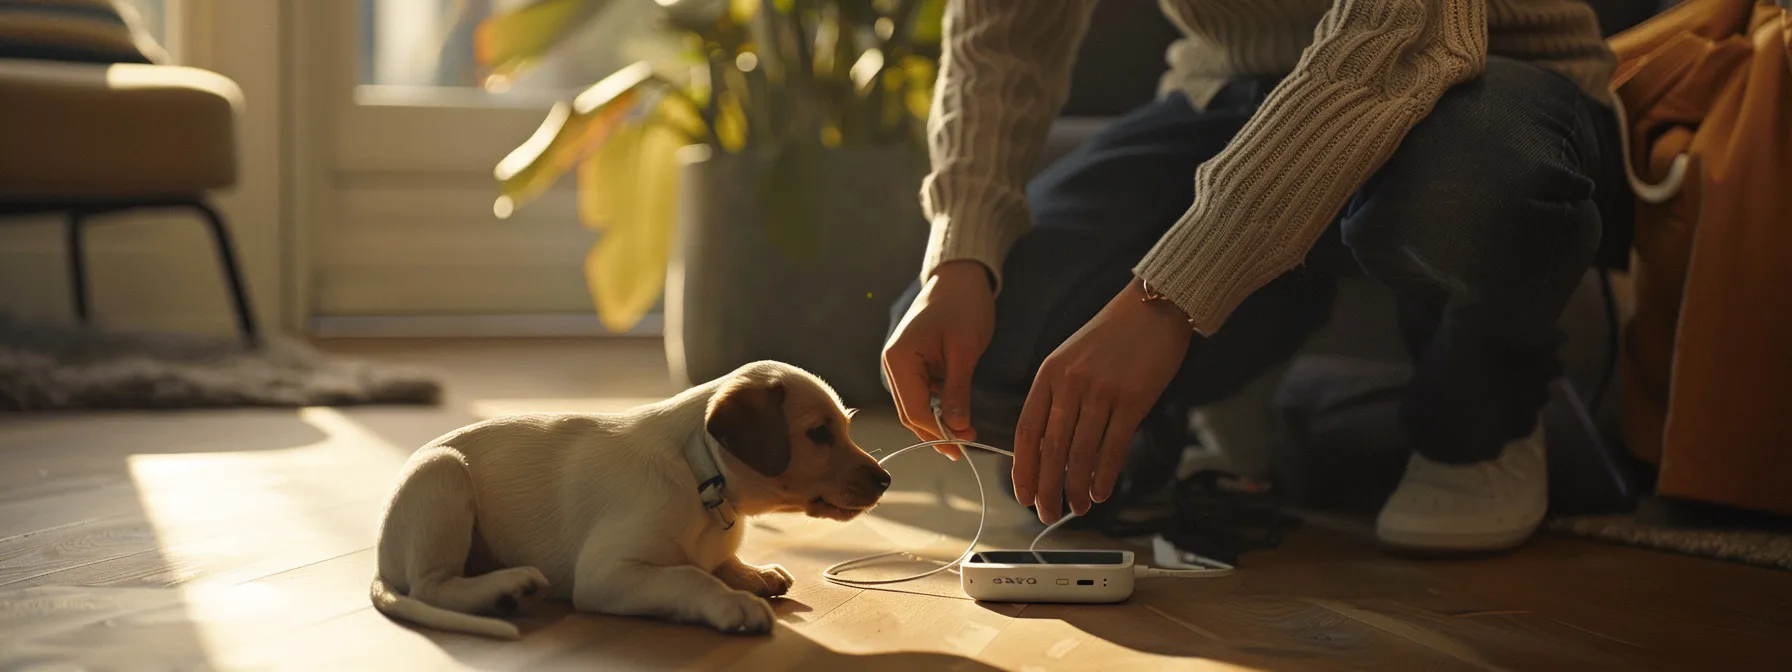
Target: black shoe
{"x":1221,"y":516}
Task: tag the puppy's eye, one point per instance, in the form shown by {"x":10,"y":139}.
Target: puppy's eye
{"x":821,"y":435}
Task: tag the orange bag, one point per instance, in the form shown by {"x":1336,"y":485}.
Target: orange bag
{"x":1707,"y":368}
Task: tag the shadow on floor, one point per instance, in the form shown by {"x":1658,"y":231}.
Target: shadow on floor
{"x":560,"y":638}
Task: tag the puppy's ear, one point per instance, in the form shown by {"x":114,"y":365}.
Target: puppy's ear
{"x":747,"y":418}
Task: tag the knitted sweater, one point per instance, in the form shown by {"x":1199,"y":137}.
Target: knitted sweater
{"x":1361,"y":73}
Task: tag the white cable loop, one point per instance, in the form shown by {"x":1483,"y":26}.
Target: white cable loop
{"x":939,"y":421}
{"x":833,"y":573}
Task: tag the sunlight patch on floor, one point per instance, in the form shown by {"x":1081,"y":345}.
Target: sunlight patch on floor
{"x":224,"y":518}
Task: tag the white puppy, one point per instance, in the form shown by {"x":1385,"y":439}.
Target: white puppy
{"x":636,"y":513}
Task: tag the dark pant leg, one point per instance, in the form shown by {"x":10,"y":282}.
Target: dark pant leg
{"x":1097,"y":212}
{"x":1483,"y":222}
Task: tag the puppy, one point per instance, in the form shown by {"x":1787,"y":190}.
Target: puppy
{"x":638,"y":513}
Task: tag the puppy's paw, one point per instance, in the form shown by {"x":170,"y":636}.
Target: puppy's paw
{"x":514,"y":588}
{"x":739,"y":612}
{"x":773,"y":580}
{"x":767,"y":581}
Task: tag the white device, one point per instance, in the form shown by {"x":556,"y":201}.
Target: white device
{"x":1033,"y":575}
{"x":1096,"y":577}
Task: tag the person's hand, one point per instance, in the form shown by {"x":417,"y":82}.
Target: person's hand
{"x":940,"y":339}
{"x":1088,"y":398}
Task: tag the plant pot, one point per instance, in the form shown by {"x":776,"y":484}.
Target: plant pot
{"x":735,"y":296}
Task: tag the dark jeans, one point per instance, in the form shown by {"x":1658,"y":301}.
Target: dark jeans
{"x":1482,"y":223}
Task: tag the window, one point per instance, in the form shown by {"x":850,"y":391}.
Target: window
{"x":419,"y":51}
{"x":155,"y":14}
{"x":419,"y":42}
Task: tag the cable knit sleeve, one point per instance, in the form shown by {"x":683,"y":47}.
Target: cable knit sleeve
{"x":1375,"y":68}
{"x":1004,"y":75}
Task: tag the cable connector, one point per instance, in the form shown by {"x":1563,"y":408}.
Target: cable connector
{"x":1144,"y":572}
{"x":1179,"y":564}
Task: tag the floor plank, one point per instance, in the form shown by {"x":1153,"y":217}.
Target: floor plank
{"x":242,"y":540}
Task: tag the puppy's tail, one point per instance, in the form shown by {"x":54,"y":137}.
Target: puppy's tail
{"x":405,"y":608}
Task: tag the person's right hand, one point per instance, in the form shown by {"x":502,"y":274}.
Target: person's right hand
{"x":940,"y":339}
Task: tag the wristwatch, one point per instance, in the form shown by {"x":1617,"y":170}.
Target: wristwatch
{"x":1153,"y":296}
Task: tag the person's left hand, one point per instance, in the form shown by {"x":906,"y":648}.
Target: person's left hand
{"x":1088,"y":398}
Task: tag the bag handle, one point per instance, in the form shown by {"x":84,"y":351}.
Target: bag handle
{"x":1669,"y":186}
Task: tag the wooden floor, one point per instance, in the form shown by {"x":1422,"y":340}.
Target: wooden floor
{"x":241,"y":539}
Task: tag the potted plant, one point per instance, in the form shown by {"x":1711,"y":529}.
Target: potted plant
{"x":765,"y":183}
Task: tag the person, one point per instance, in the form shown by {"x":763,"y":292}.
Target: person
{"x":1461,"y":153}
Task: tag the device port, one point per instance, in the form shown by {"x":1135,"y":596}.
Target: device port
{"x":1085,"y":582}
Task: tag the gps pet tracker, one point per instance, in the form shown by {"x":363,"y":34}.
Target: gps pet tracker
{"x":1087,"y":577}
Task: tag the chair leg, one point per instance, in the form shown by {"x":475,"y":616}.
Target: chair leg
{"x":77,"y":263}
{"x":245,"y":318}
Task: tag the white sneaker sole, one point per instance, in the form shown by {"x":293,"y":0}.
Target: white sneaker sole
{"x":1456,"y":542}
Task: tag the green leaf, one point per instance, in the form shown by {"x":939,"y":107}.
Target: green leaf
{"x":742,"y":11}
{"x":508,"y":42}
{"x":569,"y":133}
{"x":930,"y":22}
{"x":919,"y":73}
{"x":628,"y":189}
{"x":731,"y":123}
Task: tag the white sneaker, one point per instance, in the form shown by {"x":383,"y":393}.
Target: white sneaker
{"x":1485,"y":506}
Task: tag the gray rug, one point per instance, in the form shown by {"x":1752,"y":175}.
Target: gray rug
{"x":1759,"y":541}
{"x":62,"y":367}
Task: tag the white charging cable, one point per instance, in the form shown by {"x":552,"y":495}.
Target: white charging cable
{"x":833,"y":573}
{"x":1165,"y":553}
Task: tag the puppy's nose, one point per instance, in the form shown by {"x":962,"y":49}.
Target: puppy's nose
{"x":880,"y":479}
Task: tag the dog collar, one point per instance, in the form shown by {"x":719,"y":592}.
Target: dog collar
{"x":711,"y":484}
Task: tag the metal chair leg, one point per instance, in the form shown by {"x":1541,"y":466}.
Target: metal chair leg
{"x":77,"y":263}
{"x":245,"y":318}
